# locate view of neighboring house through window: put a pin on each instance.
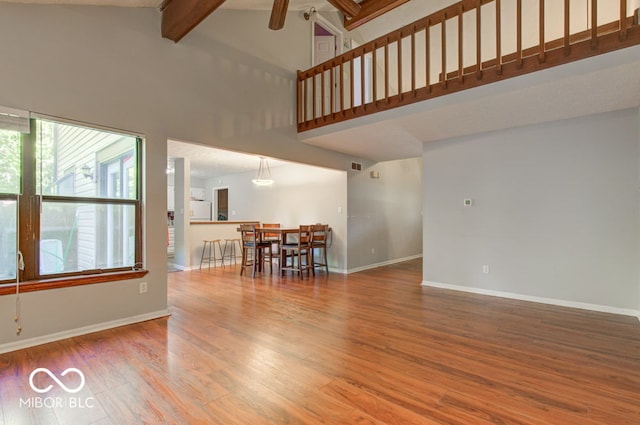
(80, 188)
(9, 188)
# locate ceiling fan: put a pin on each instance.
(349, 9)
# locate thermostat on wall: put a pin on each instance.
(468, 202)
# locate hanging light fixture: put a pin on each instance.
(264, 174)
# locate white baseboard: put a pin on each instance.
(331, 269)
(551, 301)
(31, 342)
(384, 263)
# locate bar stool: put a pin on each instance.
(211, 258)
(319, 236)
(230, 245)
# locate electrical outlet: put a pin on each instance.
(373, 250)
(485, 269)
(143, 287)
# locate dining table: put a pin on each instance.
(285, 235)
(282, 232)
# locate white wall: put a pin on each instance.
(300, 195)
(110, 66)
(556, 211)
(385, 214)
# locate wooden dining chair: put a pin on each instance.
(275, 238)
(298, 251)
(319, 238)
(254, 250)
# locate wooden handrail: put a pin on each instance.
(466, 28)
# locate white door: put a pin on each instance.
(324, 47)
(324, 50)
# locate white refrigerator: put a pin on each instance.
(200, 211)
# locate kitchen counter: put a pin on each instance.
(211, 230)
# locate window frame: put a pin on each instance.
(30, 204)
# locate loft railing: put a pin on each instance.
(468, 44)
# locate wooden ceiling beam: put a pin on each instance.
(369, 10)
(179, 17)
(278, 14)
(349, 8)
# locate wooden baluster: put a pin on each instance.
(623, 20)
(400, 66)
(362, 82)
(542, 53)
(351, 83)
(427, 55)
(299, 98)
(313, 106)
(386, 71)
(460, 45)
(322, 93)
(332, 88)
(444, 51)
(594, 24)
(567, 46)
(519, 33)
(374, 77)
(498, 38)
(341, 85)
(413, 62)
(478, 40)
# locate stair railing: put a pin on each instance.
(468, 44)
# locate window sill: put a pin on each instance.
(65, 282)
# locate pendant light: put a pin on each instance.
(264, 174)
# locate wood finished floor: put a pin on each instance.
(370, 348)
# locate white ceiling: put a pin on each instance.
(207, 162)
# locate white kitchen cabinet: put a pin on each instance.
(197, 193)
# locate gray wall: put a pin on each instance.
(556, 211)
(385, 213)
(109, 66)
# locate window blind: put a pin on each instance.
(14, 119)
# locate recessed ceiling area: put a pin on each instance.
(207, 162)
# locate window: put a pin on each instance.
(9, 188)
(76, 191)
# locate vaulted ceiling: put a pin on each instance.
(179, 17)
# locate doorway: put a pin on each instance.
(221, 203)
(326, 40)
(327, 43)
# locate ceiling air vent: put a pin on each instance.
(356, 166)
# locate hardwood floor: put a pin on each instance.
(369, 348)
